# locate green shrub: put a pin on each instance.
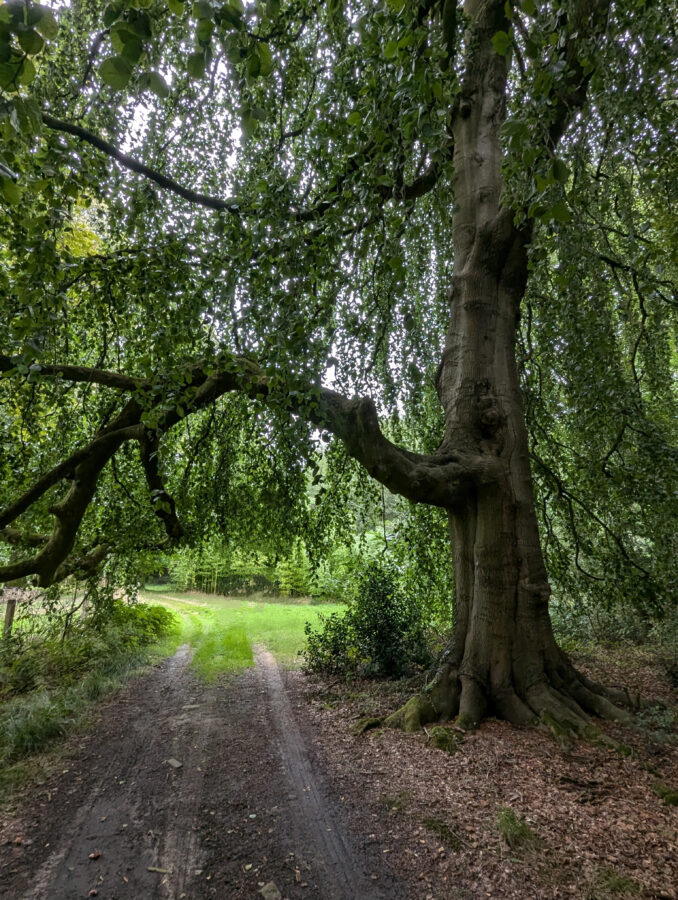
(332, 649)
(27, 725)
(382, 632)
(49, 675)
(51, 659)
(141, 624)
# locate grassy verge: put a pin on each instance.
(48, 685)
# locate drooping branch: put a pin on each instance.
(163, 504)
(400, 189)
(420, 186)
(230, 204)
(440, 479)
(69, 511)
(85, 566)
(124, 427)
(589, 17)
(76, 374)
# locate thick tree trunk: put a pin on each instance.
(502, 659)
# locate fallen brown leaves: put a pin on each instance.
(602, 831)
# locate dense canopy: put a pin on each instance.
(231, 239)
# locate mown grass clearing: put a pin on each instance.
(222, 630)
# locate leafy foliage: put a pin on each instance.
(311, 124)
(38, 656)
(381, 633)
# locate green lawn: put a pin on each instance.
(222, 630)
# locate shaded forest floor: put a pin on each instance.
(509, 813)
(255, 785)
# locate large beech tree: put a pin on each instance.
(336, 212)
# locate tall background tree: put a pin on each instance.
(442, 236)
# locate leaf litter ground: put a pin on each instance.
(598, 827)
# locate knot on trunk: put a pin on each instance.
(490, 417)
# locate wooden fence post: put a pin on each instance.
(10, 609)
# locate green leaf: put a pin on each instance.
(132, 49)
(354, 118)
(516, 130)
(28, 113)
(230, 15)
(248, 123)
(391, 49)
(8, 75)
(10, 191)
(141, 25)
(560, 171)
(176, 6)
(202, 9)
(532, 49)
(126, 42)
(195, 64)
(265, 59)
(47, 24)
(529, 7)
(27, 73)
(158, 85)
(204, 30)
(560, 212)
(501, 43)
(253, 63)
(113, 12)
(31, 42)
(116, 72)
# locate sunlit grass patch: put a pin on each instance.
(223, 630)
(222, 650)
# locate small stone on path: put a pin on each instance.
(270, 891)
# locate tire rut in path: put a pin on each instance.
(336, 864)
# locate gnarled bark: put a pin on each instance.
(502, 659)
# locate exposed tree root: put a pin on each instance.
(562, 700)
(417, 712)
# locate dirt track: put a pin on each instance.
(247, 806)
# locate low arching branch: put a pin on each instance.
(440, 479)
